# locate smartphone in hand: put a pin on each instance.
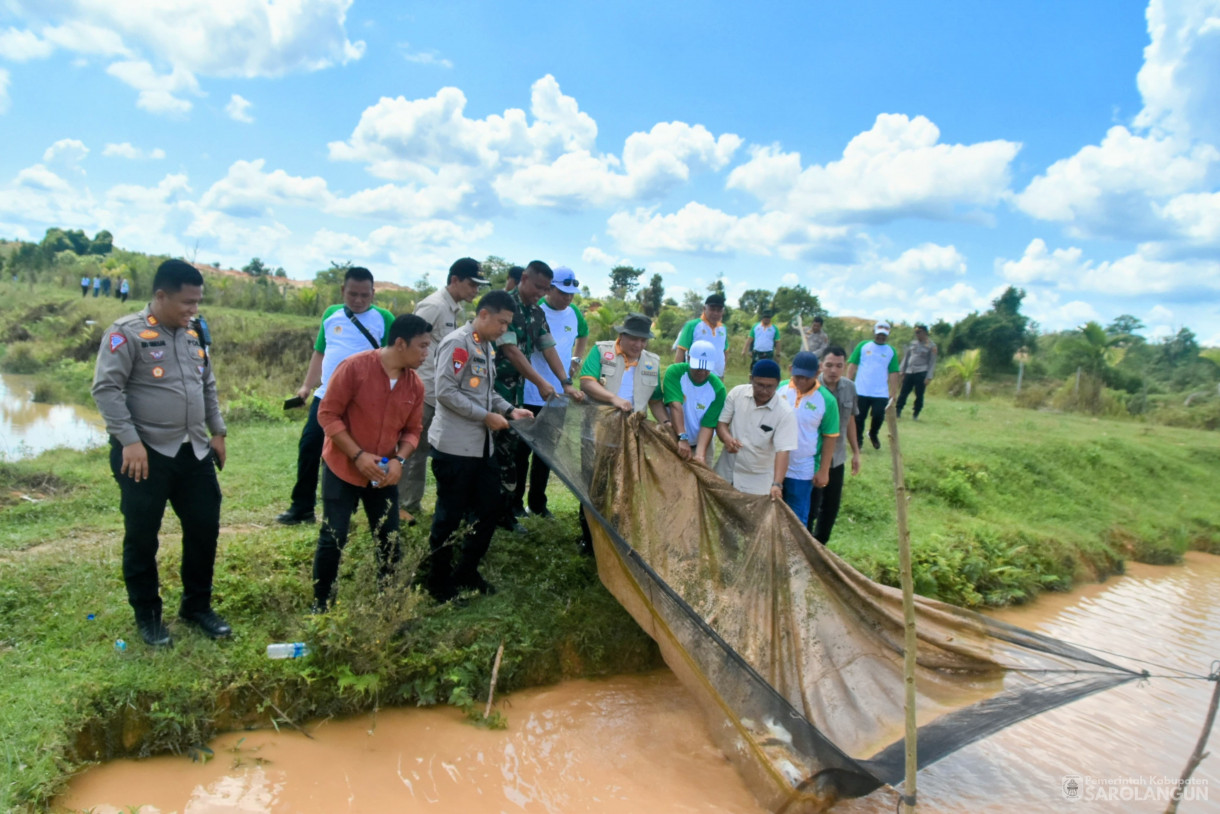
(295, 401)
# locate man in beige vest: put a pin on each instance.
(622, 373)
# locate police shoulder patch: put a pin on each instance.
(117, 340)
(460, 357)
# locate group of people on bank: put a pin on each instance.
(103, 285)
(390, 393)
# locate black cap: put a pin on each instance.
(767, 312)
(715, 299)
(467, 268)
(635, 325)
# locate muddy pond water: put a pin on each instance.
(638, 744)
(28, 428)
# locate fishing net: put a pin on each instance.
(795, 657)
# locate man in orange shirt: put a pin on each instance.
(372, 415)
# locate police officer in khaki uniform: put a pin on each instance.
(154, 387)
(468, 411)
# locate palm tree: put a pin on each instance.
(966, 365)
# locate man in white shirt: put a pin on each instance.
(571, 333)
(758, 429)
(443, 310)
(873, 366)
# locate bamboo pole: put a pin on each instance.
(495, 674)
(1197, 756)
(908, 610)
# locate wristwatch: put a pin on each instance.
(684, 437)
(567, 382)
(401, 460)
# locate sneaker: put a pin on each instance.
(294, 516)
(209, 622)
(875, 441)
(152, 630)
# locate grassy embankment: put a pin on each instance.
(1005, 503)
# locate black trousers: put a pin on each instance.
(912, 381)
(464, 486)
(877, 405)
(824, 505)
(339, 501)
(189, 485)
(535, 475)
(760, 354)
(309, 458)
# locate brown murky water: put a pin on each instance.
(26, 428)
(637, 743)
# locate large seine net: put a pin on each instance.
(795, 657)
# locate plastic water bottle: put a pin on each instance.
(120, 646)
(287, 650)
(384, 463)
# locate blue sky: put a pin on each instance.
(900, 160)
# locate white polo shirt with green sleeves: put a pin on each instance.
(817, 417)
(698, 329)
(338, 338)
(874, 363)
(701, 403)
(764, 336)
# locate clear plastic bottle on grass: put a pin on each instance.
(287, 650)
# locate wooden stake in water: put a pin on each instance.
(908, 610)
(495, 674)
(1197, 757)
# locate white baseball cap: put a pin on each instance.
(702, 355)
(881, 328)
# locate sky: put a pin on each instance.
(905, 161)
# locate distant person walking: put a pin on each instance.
(84, 286)
(443, 310)
(106, 286)
(825, 501)
(373, 411)
(124, 290)
(816, 339)
(97, 285)
(817, 421)
(356, 325)
(763, 340)
(873, 366)
(709, 326)
(917, 369)
(759, 432)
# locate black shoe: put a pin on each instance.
(478, 585)
(152, 630)
(209, 622)
(876, 441)
(317, 608)
(294, 516)
(544, 513)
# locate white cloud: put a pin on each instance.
(246, 191)
(1142, 273)
(4, 100)
(1179, 80)
(925, 259)
(66, 151)
(1194, 217)
(790, 280)
(126, 150)
(157, 91)
(424, 57)
(238, 109)
(1038, 264)
(393, 202)
(594, 256)
(1160, 313)
(20, 46)
(896, 169)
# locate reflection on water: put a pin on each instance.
(26, 428)
(638, 743)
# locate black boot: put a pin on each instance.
(208, 621)
(152, 630)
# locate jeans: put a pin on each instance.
(824, 505)
(797, 495)
(189, 485)
(464, 485)
(339, 501)
(912, 381)
(309, 458)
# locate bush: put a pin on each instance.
(20, 359)
(248, 406)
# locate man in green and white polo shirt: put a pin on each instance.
(817, 422)
(694, 396)
(356, 325)
(763, 341)
(570, 332)
(622, 373)
(873, 366)
(710, 327)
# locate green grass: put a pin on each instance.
(1004, 503)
